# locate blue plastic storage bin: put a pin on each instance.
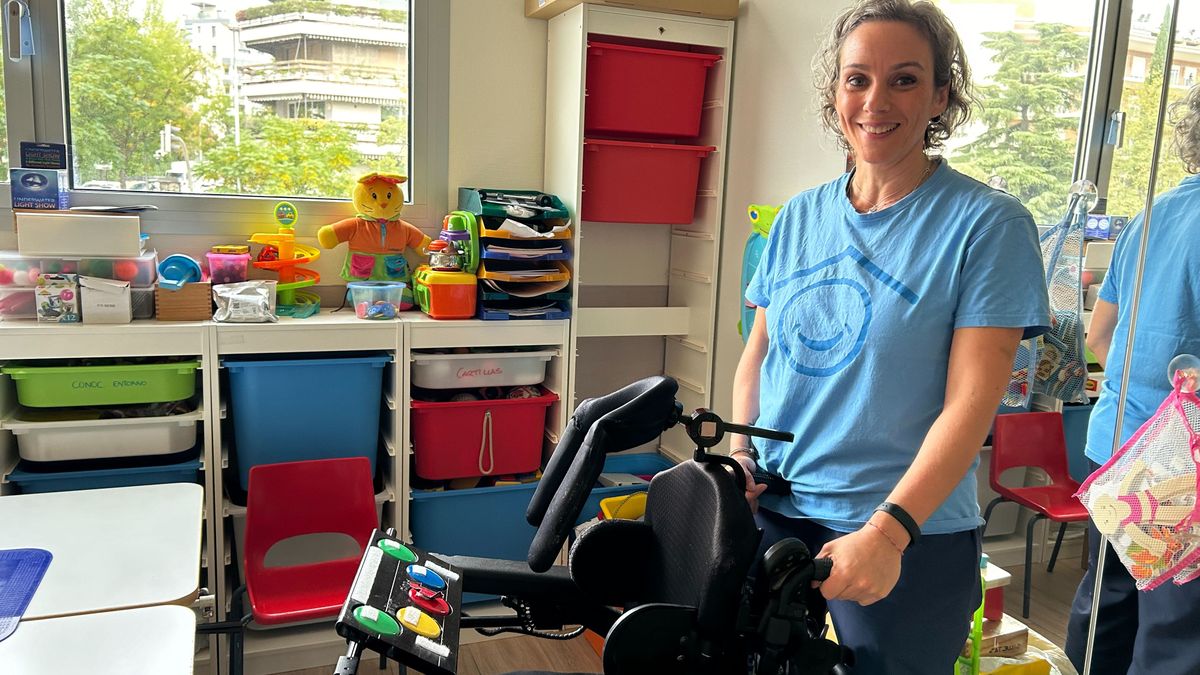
(32, 477)
(1075, 425)
(288, 410)
(490, 522)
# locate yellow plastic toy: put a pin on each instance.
(281, 254)
(376, 236)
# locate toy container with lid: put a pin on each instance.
(227, 268)
(22, 271)
(444, 294)
(377, 299)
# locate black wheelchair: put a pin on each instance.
(684, 591)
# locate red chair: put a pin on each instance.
(1035, 439)
(294, 499)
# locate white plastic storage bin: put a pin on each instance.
(500, 369)
(95, 439)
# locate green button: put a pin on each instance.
(397, 550)
(375, 620)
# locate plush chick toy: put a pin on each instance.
(376, 236)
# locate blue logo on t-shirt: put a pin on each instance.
(827, 310)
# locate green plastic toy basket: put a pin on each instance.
(55, 386)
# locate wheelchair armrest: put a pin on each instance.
(654, 638)
(608, 561)
(513, 577)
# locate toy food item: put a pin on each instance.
(376, 236)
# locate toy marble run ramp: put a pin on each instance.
(287, 263)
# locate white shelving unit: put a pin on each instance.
(327, 334)
(28, 341)
(655, 312)
(323, 335)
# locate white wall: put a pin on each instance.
(776, 145)
(497, 96)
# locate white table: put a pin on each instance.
(159, 640)
(116, 548)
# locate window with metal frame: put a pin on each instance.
(215, 111)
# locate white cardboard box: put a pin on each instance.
(71, 233)
(105, 300)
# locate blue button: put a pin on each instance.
(426, 577)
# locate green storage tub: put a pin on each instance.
(57, 386)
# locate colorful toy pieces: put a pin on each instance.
(376, 236)
(282, 255)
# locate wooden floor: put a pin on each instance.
(1050, 602)
(502, 655)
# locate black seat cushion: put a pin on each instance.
(695, 548)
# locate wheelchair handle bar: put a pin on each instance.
(822, 568)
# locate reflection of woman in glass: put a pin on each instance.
(890, 304)
(1156, 631)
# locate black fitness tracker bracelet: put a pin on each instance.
(896, 511)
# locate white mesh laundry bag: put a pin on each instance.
(1020, 384)
(1144, 498)
(1054, 363)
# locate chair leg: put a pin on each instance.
(987, 514)
(236, 653)
(237, 641)
(1029, 564)
(1062, 529)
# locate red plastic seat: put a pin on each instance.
(1035, 439)
(299, 498)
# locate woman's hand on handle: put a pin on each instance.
(753, 490)
(866, 566)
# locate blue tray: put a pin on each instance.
(21, 572)
(490, 314)
(37, 477)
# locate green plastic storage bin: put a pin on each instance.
(57, 386)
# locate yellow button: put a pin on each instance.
(419, 622)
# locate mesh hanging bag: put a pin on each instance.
(1144, 498)
(1054, 363)
(1061, 369)
(1020, 384)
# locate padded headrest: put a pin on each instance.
(626, 418)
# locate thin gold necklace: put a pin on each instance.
(888, 200)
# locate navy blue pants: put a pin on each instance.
(921, 627)
(1156, 632)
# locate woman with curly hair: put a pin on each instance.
(891, 301)
(1155, 631)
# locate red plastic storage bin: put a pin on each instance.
(644, 91)
(632, 182)
(463, 439)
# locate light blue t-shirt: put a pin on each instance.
(861, 309)
(1168, 314)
